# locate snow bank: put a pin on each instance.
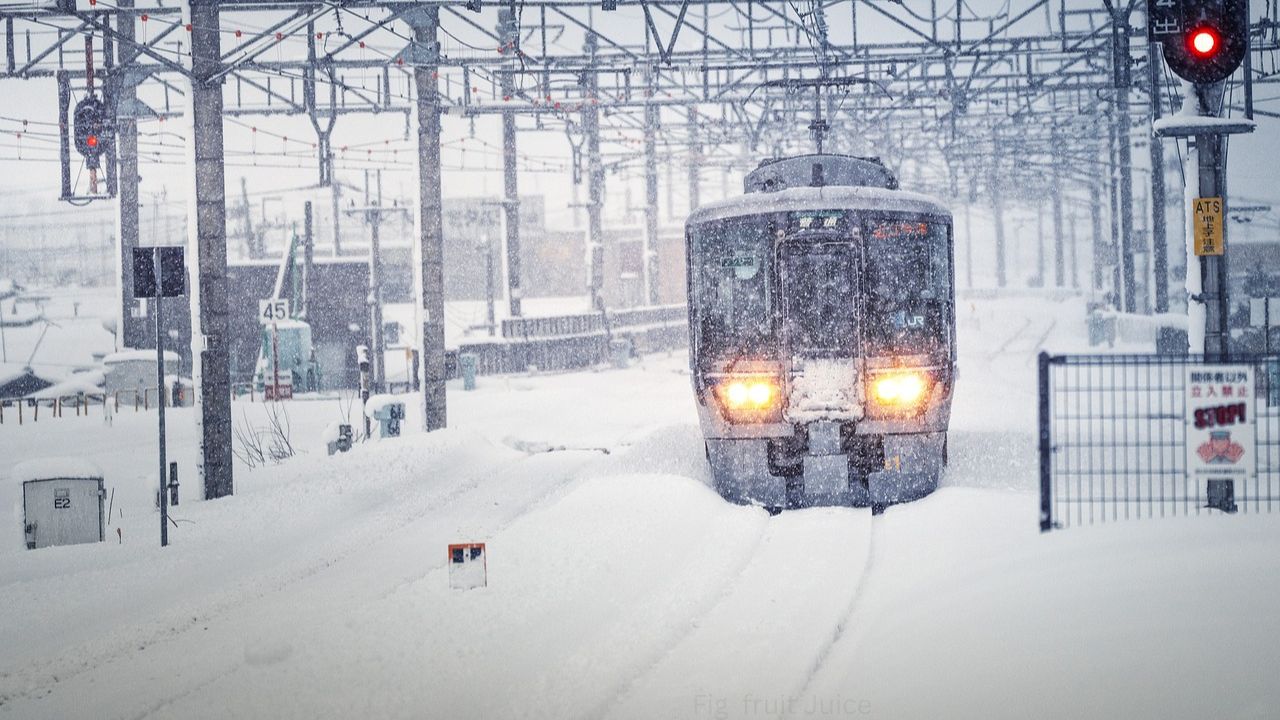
(53, 467)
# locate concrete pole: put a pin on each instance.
(695, 159)
(509, 32)
(595, 182)
(425, 21)
(1121, 119)
(129, 329)
(1113, 197)
(1059, 259)
(1095, 230)
(374, 218)
(651, 120)
(1159, 230)
(211, 369)
(308, 255)
(997, 218)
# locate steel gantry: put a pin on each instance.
(1007, 100)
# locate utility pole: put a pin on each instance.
(208, 229)
(308, 257)
(1159, 241)
(373, 212)
(1120, 117)
(509, 33)
(595, 181)
(695, 160)
(425, 21)
(1059, 259)
(650, 260)
(126, 94)
(997, 218)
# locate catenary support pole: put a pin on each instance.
(595, 182)
(509, 33)
(651, 120)
(208, 229)
(695, 160)
(1059, 251)
(425, 21)
(130, 331)
(997, 218)
(160, 392)
(1159, 229)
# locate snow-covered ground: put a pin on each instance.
(620, 585)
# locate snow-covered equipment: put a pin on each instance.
(61, 501)
(287, 359)
(468, 567)
(467, 365)
(338, 438)
(620, 352)
(388, 411)
(822, 320)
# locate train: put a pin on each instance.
(822, 335)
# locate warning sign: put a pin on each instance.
(1206, 226)
(1220, 425)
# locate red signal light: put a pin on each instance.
(91, 141)
(1204, 43)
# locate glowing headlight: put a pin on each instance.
(903, 389)
(750, 394)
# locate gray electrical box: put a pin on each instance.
(62, 503)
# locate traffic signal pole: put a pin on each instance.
(1203, 42)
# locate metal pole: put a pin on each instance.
(1213, 268)
(336, 190)
(1046, 461)
(212, 363)
(308, 257)
(425, 21)
(508, 31)
(490, 316)
(164, 464)
(1159, 240)
(1113, 196)
(275, 362)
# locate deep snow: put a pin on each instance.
(620, 585)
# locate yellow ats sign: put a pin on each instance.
(1207, 226)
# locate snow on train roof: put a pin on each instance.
(819, 198)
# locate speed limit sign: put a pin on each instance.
(275, 310)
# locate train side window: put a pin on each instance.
(733, 265)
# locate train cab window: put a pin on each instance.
(732, 263)
(908, 287)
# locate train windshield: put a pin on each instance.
(819, 286)
(909, 287)
(730, 265)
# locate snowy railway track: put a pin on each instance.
(514, 487)
(776, 620)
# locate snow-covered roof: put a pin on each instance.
(86, 382)
(54, 467)
(137, 355)
(819, 198)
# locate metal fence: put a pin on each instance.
(1114, 431)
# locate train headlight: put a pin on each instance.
(749, 399)
(900, 390)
